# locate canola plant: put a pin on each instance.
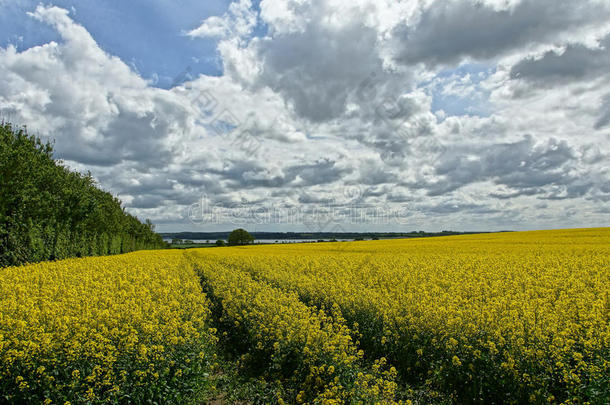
(116, 329)
(310, 352)
(490, 318)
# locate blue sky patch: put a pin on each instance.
(123, 28)
(458, 92)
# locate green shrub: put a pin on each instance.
(48, 212)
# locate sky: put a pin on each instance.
(323, 115)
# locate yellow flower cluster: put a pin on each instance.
(308, 351)
(94, 330)
(490, 318)
(505, 318)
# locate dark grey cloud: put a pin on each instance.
(604, 210)
(125, 181)
(603, 119)
(601, 190)
(372, 191)
(575, 62)
(128, 137)
(249, 174)
(318, 69)
(455, 207)
(451, 31)
(318, 59)
(146, 201)
(373, 173)
(523, 166)
(399, 197)
(321, 172)
(252, 174)
(310, 198)
(523, 192)
(577, 189)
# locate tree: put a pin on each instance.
(48, 212)
(240, 237)
(220, 242)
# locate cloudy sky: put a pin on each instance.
(323, 114)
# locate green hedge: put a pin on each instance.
(48, 212)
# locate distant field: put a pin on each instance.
(190, 245)
(489, 318)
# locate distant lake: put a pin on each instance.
(256, 241)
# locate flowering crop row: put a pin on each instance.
(493, 318)
(129, 328)
(308, 352)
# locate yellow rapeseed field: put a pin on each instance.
(129, 328)
(310, 352)
(490, 318)
(504, 318)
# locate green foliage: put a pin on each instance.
(240, 237)
(48, 212)
(220, 242)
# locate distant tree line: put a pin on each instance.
(48, 212)
(314, 235)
